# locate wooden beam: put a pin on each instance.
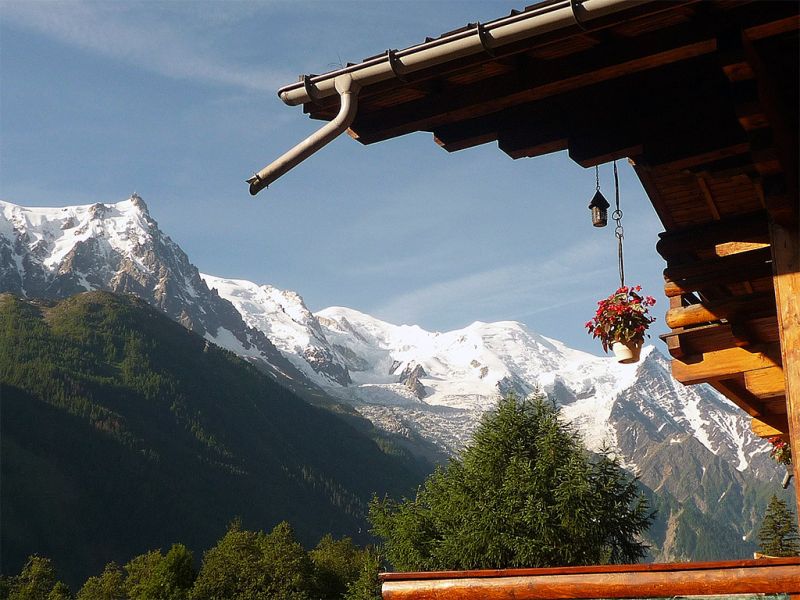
(659, 201)
(719, 336)
(763, 430)
(712, 279)
(767, 575)
(751, 227)
(699, 159)
(724, 364)
(781, 110)
(746, 307)
(717, 265)
(765, 383)
(786, 264)
(736, 393)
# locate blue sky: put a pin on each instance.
(176, 101)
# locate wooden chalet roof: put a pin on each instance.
(702, 97)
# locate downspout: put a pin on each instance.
(348, 94)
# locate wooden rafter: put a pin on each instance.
(724, 364)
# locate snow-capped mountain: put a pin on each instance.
(689, 444)
(56, 252)
(392, 372)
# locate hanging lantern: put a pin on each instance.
(599, 207)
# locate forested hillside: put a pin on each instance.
(122, 431)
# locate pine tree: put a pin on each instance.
(778, 535)
(524, 493)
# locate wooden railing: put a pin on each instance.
(780, 576)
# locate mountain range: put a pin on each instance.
(693, 449)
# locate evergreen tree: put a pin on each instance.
(524, 493)
(778, 534)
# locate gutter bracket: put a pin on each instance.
(574, 6)
(483, 38)
(394, 65)
(309, 88)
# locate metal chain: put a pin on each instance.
(597, 178)
(619, 232)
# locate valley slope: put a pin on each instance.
(122, 431)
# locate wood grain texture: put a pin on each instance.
(786, 264)
(626, 581)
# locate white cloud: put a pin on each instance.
(163, 42)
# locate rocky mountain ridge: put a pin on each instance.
(54, 253)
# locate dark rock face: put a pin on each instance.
(513, 385)
(323, 362)
(410, 377)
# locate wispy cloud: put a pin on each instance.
(156, 41)
(523, 289)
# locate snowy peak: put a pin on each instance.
(57, 252)
(53, 233)
(284, 318)
(448, 379)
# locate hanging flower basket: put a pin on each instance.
(621, 322)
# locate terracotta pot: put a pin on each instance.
(627, 352)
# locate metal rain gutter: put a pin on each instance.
(348, 92)
(483, 38)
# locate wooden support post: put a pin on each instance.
(786, 266)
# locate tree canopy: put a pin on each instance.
(524, 493)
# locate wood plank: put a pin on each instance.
(700, 158)
(781, 109)
(719, 336)
(765, 383)
(762, 576)
(708, 197)
(751, 227)
(763, 430)
(724, 364)
(657, 197)
(759, 409)
(749, 273)
(718, 264)
(786, 263)
(744, 308)
(785, 25)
